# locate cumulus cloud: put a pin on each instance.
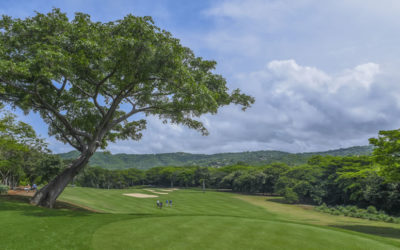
(298, 108)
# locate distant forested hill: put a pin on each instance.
(146, 161)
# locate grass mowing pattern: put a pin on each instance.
(185, 202)
(196, 221)
(203, 232)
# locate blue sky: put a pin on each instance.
(324, 73)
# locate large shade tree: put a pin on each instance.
(95, 83)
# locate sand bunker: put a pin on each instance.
(169, 189)
(138, 195)
(155, 192)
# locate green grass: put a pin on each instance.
(306, 214)
(197, 220)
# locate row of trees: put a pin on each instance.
(237, 177)
(328, 179)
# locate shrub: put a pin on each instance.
(352, 209)
(374, 218)
(326, 210)
(382, 217)
(3, 189)
(342, 209)
(371, 213)
(365, 215)
(372, 210)
(290, 196)
(391, 220)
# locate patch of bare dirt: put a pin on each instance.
(21, 192)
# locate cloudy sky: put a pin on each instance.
(325, 74)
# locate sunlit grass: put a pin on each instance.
(197, 220)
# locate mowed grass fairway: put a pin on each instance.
(197, 220)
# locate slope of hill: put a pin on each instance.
(146, 161)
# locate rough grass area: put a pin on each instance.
(307, 214)
(196, 220)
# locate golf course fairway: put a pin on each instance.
(108, 219)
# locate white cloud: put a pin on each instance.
(298, 108)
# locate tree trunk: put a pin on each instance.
(46, 196)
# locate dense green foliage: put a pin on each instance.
(341, 181)
(24, 158)
(387, 153)
(257, 158)
(4, 189)
(371, 213)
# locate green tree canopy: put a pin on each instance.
(387, 153)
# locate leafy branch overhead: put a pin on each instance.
(387, 153)
(88, 79)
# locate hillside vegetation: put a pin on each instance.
(146, 161)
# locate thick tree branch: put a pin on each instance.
(107, 122)
(98, 106)
(64, 135)
(61, 89)
(82, 90)
(108, 76)
(75, 133)
(129, 114)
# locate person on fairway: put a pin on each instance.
(158, 203)
(166, 203)
(170, 203)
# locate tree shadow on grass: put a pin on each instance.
(281, 200)
(277, 200)
(387, 232)
(21, 204)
